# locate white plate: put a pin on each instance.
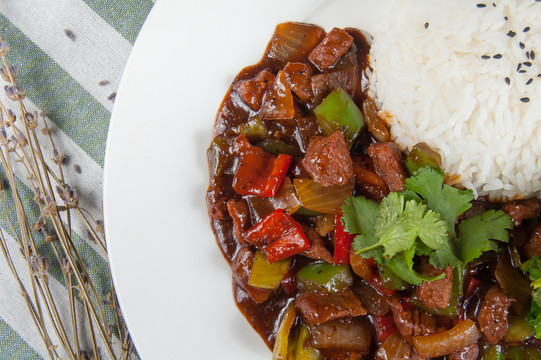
(173, 284)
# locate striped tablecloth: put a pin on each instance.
(70, 56)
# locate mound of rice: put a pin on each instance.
(465, 77)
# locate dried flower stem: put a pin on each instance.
(24, 148)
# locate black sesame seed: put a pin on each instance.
(485, 57)
(519, 66)
(527, 63)
(497, 56)
(522, 71)
(526, 29)
(525, 99)
(527, 54)
(532, 55)
(511, 33)
(427, 25)
(493, 4)
(529, 81)
(506, 18)
(481, 5)
(521, 45)
(539, 75)
(508, 81)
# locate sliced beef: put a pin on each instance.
(328, 161)
(316, 307)
(367, 179)
(468, 353)
(278, 101)
(241, 267)
(351, 335)
(493, 314)
(388, 163)
(251, 91)
(521, 210)
(335, 44)
(298, 77)
(533, 245)
(323, 84)
(317, 249)
(435, 294)
(412, 322)
(240, 213)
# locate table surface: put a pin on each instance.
(70, 56)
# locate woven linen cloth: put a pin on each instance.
(70, 55)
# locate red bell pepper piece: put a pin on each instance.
(342, 242)
(259, 173)
(385, 326)
(278, 236)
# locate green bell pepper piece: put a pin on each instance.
(422, 155)
(339, 112)
(324, 276)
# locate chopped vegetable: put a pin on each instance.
(285, 198)
(325, 224)
(361, 266)
(259, 172)
(218, 157)
(493, 352)
(324, 276)
(278, 236)
(375, 124)
(519, 329)
(281, 343)
(277, 146)
(338, 112)
(315, 197)
(293, 41)
(514, 283)
(265, 275)
(304, 349)
(342, 242)
(385, 327)
(422, 155)
(394, 348)
(255, 129)
(464, 333)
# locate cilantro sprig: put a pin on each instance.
(421, 221)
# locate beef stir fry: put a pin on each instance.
(343, 247)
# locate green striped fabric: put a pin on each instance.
(70, 56)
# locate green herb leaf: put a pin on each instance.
(359, 215)
(402, 266)
(446, 200)
(478, 232)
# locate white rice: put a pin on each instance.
(433, 85)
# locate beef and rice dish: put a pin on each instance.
(346, 240)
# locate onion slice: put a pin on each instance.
(463, 334)
(282, 337)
